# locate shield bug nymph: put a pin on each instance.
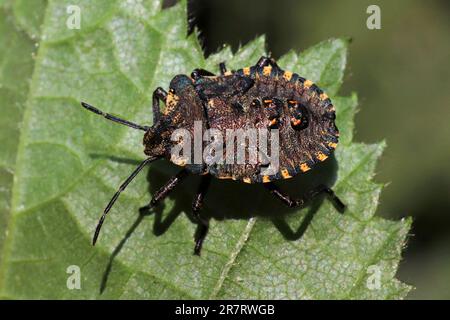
(262, 96)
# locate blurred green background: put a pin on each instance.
(402, 76)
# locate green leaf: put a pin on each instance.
(69, 162)
(17, 49)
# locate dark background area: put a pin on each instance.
(402, 76)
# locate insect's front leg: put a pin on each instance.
(158, 94)
(196, 207)
(164, 191)
(300, 202)
(223, 68)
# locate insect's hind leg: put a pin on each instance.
(197, 204)
(158, 94)
(266, 61)
(198, 73)
(300, 202)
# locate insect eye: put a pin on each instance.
(299, 115)
(171, 90)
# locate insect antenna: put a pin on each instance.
(113, 118)
(116, 195)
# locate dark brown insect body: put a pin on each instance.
(259, 97)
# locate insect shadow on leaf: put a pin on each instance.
(236, 201)
(157, 176)
(117, 159)
(226, 200)
(324, 173)
(117, 250)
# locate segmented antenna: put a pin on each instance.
(114, 118)
(116, 195)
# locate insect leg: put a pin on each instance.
(196, 206)
(266, 61)
(116, 195)
(158, 94)
(198, 73)
(290, 202)
(164, 191)
(223, 68)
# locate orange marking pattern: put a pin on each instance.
(295, 122)
(332, 145)
(308, 83)
(304, 167)
(285, 174)
(267, 70)
(287, 75)
(321, 156)
(171, 101)
(273, 122)
(179, 161)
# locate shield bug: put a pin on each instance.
(262, 96)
